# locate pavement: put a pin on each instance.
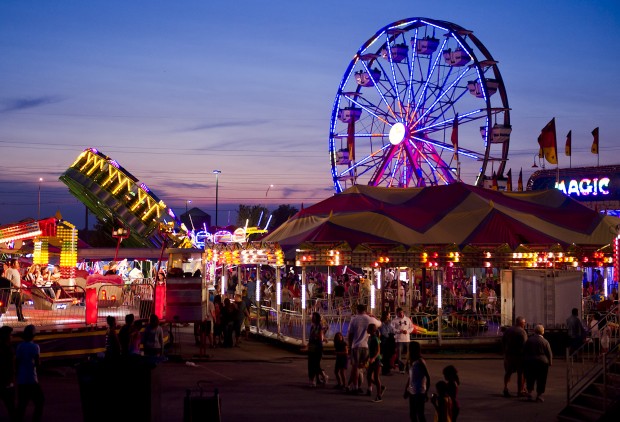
(263, 380)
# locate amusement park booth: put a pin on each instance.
(50, 236)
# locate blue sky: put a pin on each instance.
(174, 90)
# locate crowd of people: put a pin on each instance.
(365, 347)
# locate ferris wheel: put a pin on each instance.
(413, 91)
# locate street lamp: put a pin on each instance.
(120, 234)
(39, 200)
(189, 201)
(217, 192)
(267, 193)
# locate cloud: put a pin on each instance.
(17, 104)
(234, 123)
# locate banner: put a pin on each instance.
(548, 142)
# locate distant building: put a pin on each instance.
(196, 219)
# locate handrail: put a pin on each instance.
(587, 363)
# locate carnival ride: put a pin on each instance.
(419, 96)
(115, 195)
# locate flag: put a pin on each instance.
(455, 136)
(494, 185)
(548, 142)
(509, 181)
(520, 183)
(568, 143)
(594, 148)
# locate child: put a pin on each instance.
(451, 376)
(374, 363)
(605, 339)
(342, 353)
(442, 403)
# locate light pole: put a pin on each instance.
(39, 200)
(120, 234)
(189, 201)
(267, 193)
(217, 192)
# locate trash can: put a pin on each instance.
(199, 406)
(132, 376)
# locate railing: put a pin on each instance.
(44, 306)
(64, 304)
(590, 361)
(456, 320)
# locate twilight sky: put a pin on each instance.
(175, 89)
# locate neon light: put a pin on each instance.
(473, 282)
(278, 293)
(372, 296)
(439, 296)
(584, 187)
(329, 284)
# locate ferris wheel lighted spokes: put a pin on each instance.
(397, 107)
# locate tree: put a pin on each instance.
(281, 216)
(253, 214)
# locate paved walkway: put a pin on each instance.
(260, 381)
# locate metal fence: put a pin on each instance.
(65, 305)
(458, 318)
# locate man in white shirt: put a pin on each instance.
(358, 345)
(403, 327)
(15, 278)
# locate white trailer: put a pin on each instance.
(541, 296)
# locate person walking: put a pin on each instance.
(442, 403)
(418, 383)
(153, 338)
(403, 327)
(315, 351)
(207, 328)
(576, 331)
(513, 340)
(374, 363)
(27, 365)
(357, 337)
(125, 332)
(340, 369)
(451, 376)
(7, 371)
(112, 343)
(13, 275)
(242, 312)
(537, 358)
(595, 332)
(388, 343)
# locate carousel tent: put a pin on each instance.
(457, 214)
